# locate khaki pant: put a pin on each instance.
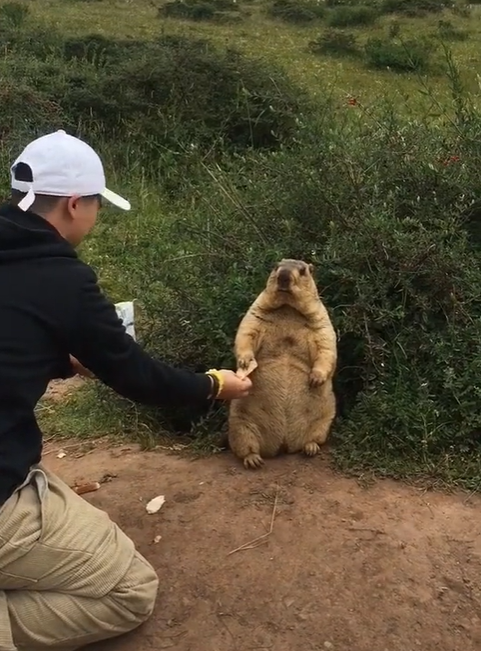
(68, 575)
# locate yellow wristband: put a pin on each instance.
(219, 377)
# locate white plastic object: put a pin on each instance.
(125, 311)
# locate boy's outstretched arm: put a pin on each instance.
(98, 340)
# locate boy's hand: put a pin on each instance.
(79, 369)
(234, 387)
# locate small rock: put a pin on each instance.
(328, 645)
(157, 538)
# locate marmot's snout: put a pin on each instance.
(284, 279)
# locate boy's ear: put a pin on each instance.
(73, 204)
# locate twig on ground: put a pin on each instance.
(470, 496)
(366, 529)
(254, 543)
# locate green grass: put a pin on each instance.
(92, 413)
(279, 43)
(86, 416)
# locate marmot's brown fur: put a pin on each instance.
(288, 339)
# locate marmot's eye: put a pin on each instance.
(302, 271)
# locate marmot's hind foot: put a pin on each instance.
(311, 449)
(253, 461)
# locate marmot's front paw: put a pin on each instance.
(246, 365)
(253, 461)
(317, 378)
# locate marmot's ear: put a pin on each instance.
(311, 267)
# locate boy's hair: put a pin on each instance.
(43, 203)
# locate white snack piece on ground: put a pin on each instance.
(154, 505)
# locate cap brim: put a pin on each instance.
(116, 200)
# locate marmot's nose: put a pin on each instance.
(284, 279)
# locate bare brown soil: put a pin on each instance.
(346, 567)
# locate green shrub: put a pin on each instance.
(414, 7)
(402, 56)
(26, 113)
(394, 29)
(194, 10)
(335, 42)
(13, 14)
(448, 32)
(388, 210)
(291, 11)
(346, 16)
(461, 9)
(352, 3)
(178, 96)
(197, 10)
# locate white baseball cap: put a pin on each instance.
(62, 166)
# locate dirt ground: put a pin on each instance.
(385, 567)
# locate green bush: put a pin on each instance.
(401, 56)
(352, 16)
(25, 113)
(461, 9)
(448, 32)
(217, 10)
(394, 29)
(13, 14)
(335, 42)
(353, 3)
(388, 210)
(195, 10)
(414, 7)
(179, 96)
(291, 11)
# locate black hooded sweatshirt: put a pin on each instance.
(51, 306)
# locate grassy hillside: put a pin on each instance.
(348, 135)
(281, 43)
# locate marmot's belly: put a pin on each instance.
(282, 403)
(282, 374)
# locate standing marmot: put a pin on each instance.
(287, 338)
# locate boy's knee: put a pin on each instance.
(137, 592)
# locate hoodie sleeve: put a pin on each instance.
(99, 341)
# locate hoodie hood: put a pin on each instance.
(25, 235)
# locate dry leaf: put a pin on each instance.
(86, 488)
(155, 504)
